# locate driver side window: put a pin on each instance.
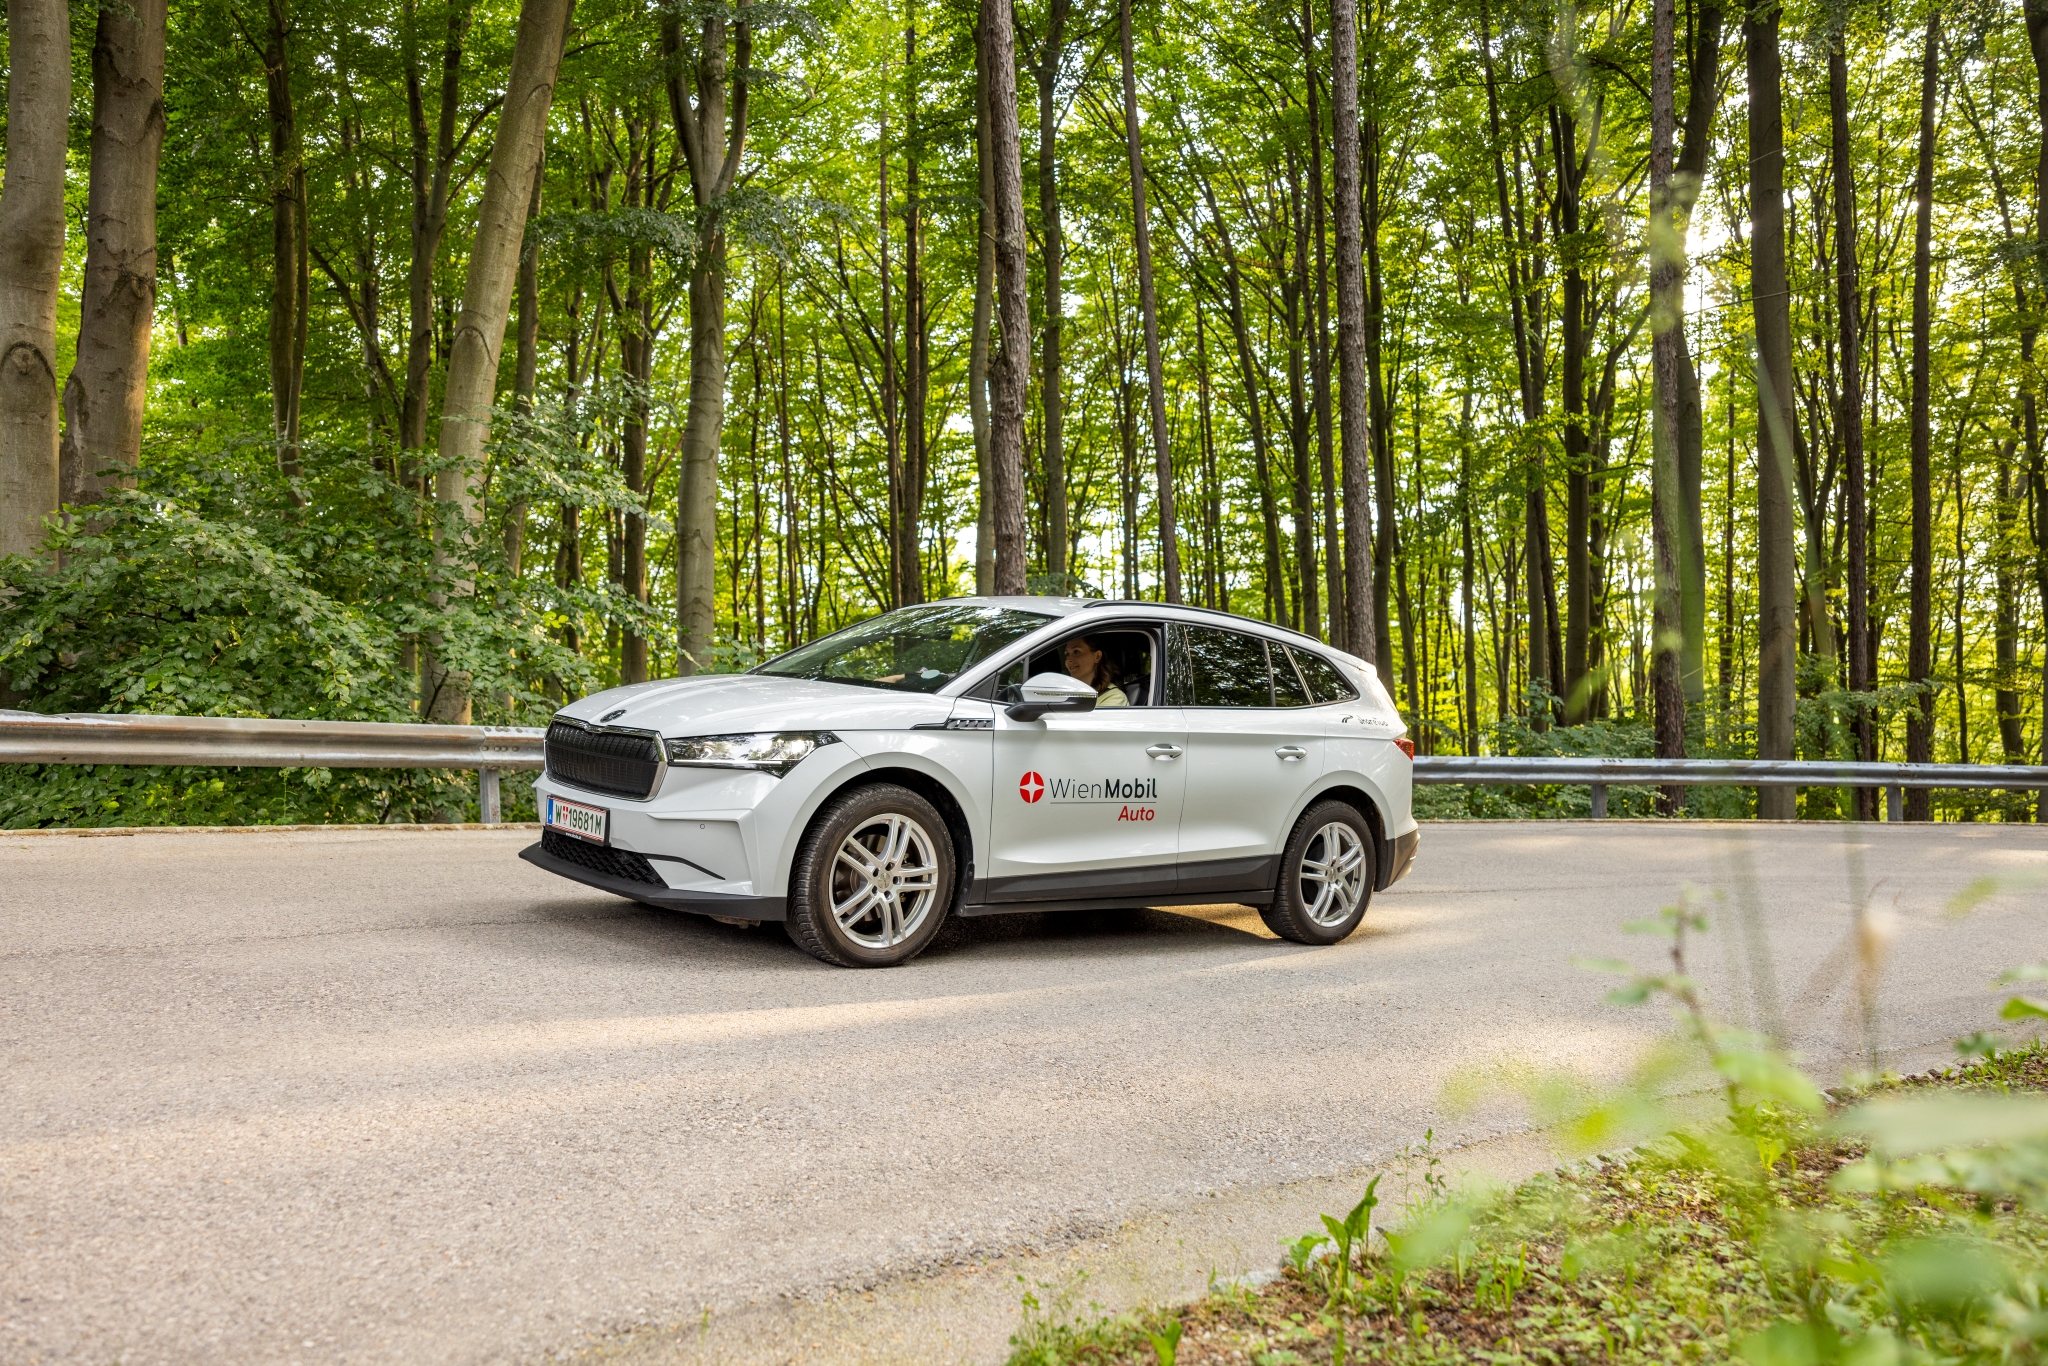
(1128, 656)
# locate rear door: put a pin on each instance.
(1087, 806)
(1254, 749)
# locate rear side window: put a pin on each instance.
(1227, 669)
(1324, 681)
(1288, 690)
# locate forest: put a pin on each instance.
(1628, 377)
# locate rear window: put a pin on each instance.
(1324, 679)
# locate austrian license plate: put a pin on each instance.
(574, 818)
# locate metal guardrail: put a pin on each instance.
(227, 741)
(257, 742)
(1600, 774)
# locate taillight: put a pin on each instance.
(1406, 746)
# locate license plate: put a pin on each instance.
(574, 818)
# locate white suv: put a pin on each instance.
(983, 755)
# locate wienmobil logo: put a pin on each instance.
(1108, 790)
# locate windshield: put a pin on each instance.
(913, 649)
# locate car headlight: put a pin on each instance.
(774, 752)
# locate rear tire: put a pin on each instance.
(1326, 876)
(872, 879)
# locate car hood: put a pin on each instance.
(726, 704)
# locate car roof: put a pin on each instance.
(1067, 607)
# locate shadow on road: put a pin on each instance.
(662, 933)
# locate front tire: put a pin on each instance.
(872, 879)
(1326, 876)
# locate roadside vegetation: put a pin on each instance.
(1902, 1220)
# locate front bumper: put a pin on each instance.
(720, 904)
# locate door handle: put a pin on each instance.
(1289, 753)
(1163, 751)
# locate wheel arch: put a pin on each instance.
(926, 785)
(1368, 807)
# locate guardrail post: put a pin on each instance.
(1599, 791)
(1895, 802)
(487, 795)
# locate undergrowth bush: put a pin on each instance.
(216, 588)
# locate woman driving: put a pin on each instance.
(1084, 660)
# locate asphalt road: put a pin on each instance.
(387, 1096)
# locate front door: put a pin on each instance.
(1253, 752)
(1087, 805)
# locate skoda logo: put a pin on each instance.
(1031, 787)
(612, 715)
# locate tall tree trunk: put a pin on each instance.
(1148, 307)
(1702, 96)
(1045, 71)
(1667, 251)
(708, 93)
(1849, 419)
(487, 299)
(103, 398)
(1299, 318)
(1387, 535)
(2006, 612)
(1333, 555)
(916, 342)
(892, 426)
(2037, 467)
(1469, 606)
(1539, 596)
(526, 368)
(1920, 623)
(998, 54)
(636, 368)
(432, 168)
(1578, 565)
(31, 266)
(290, 282)
(1360, 630)
(1777, 574)
(978, 346)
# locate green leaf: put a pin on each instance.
(1428, 1241)
(2020, 1008)
(1767, 1076)
(1928, 1124)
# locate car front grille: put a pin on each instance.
(623, 864)
(620, 763)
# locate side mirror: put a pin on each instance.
(1044, 693)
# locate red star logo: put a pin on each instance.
(1031, 787)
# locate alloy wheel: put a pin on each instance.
(1332, 874)
(885, 879)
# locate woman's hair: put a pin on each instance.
(1106, 675)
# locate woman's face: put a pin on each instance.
(1082, 661)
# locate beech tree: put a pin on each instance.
(31, 264)
(104, 395)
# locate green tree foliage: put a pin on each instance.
(1505, 150)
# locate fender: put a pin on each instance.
(875, 753)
